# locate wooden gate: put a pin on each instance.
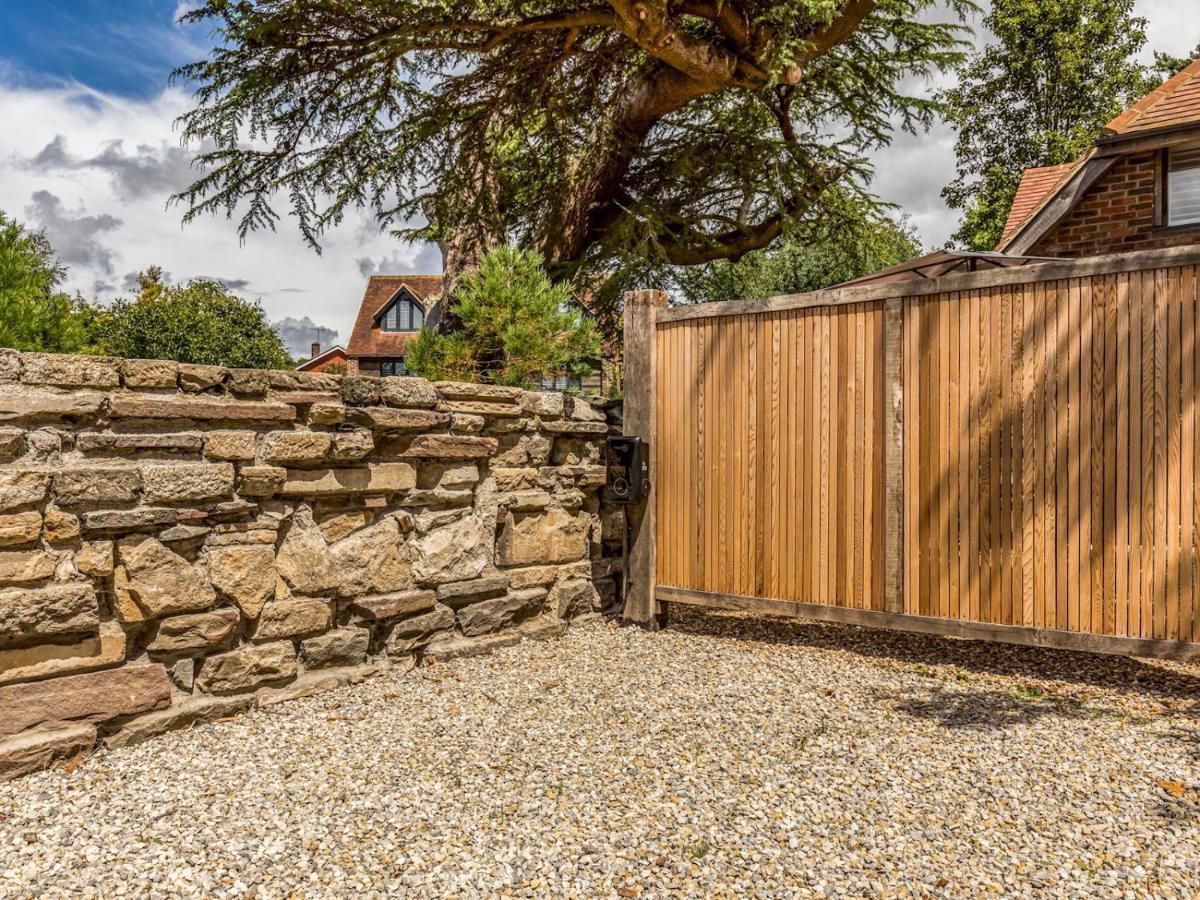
(1009, 454)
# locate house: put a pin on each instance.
(393, 309)
(331, 360)
(1136, 188)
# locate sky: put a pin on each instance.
(90, 153)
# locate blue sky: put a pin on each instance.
(123, 47)
(90, 153)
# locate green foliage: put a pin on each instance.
(1165, 65)
(667, 134)
(859, 242)
(516, 327)
(34, 313)
(1038, 95)
(198, 322)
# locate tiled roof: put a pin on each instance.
(368, 339)
(1175, 102)
(1036, 186)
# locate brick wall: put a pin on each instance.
(179, 543)
(1116, 215)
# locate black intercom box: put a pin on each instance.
(628, 470)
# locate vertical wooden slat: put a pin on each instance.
(1121, 475)
(1108, 472)
(1174, 437)
(1161, 476)
(1187, 451)
(910, 426)
(1030, 465)
(896, 385)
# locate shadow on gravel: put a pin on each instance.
(1177, 688)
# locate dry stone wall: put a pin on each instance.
(180, 542)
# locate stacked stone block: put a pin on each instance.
(181, 542)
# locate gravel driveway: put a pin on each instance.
(727, 756)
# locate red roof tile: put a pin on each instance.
(1174, 102)
(1036, 186)
(368, 339)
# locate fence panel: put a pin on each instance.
(1046, 480)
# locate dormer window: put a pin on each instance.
(403, 313)
(1183, 185)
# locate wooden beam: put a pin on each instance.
(1138, 260)
(640, 387)
(1064, 200)
(893, 485)
(1181, 651)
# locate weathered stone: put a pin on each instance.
(555, 536)
(297, 617)
(351, 446)
(482, 408)
(22, 487)
(551, 404)
(305, 398)
(524, 450)
(393, 606)
(310, 684)
(342, 524)
(543, 628)
(488, 616)
(304, 560)
(569, 498)
(92, 697)
(574, 598)
(340, 647)
(469, 390)
(261, 481)
(447, 648)
(108, 442)
(45, 445)
(49, 660)
(60, 370)
(524, 501)
(240, 446)
(33, 405)
(461, 422)
(245, 573)
(582, 475)
(573, 426)
(195, 378)
(514, 479)
(196, 631)
(20, 528)
(158, 580)
(149, 373)
(36, 751)
(459, 477)
(410, 634)
(136, 406)
(532, 576)
(360, 390)
(296, 446)
(385, 418)
(326, 413)
(317, 381)
(454, 552)
(183, 673)
(461, 593)
(373, 560)
(179, 533)
(127, 519)
(10, 365)
(575, 452)
(247, 667)
(94, 484)
(228, 510)
(584, 411)
(248, 382)
(411, 392)
(12, 443)
(26, 565)
(189, 711)
(612, 523)
(254, 536)
(450, 446)
(186, 482)
(372, 478)
(438, 496)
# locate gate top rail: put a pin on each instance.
(969, 281)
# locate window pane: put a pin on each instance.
(1183, 186)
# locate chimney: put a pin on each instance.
(316, 350)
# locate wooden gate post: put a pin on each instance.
(893, 511)
(641, 372)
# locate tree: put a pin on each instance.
(34, 313)
(1165, 65)
(1056, 73)
(198, 322)
(517, 326)
(658, 131)
(858, 242)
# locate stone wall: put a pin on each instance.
(180, 542)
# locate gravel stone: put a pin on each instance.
(723, 757)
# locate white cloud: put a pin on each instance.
(96, 171)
